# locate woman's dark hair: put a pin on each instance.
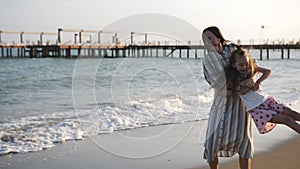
(216, 31)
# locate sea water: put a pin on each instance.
(50, 100)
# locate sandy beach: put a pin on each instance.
(178, 146)
(284, 156)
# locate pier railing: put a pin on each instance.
(115, 51)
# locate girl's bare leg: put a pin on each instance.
(293, 114)
(287, 120)
(214, 164)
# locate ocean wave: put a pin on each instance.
(36, 133)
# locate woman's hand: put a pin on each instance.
(226, 93)
(244, 90)
(247, 83)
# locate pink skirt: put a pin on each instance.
(263, 113)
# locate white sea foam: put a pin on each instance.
(36, 133)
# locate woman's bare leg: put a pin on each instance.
(287, 120)
(293, 114)
(214, 164)
(245, 163)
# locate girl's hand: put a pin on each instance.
(255, 87)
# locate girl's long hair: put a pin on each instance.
(233, 77)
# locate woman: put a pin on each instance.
(229, 126)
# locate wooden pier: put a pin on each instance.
(88, 51)
(126, 51)
(115, 49)
(267, 48)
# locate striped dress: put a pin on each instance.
(229, 128)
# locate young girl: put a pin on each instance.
(264, 109)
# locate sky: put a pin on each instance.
(237, 19)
